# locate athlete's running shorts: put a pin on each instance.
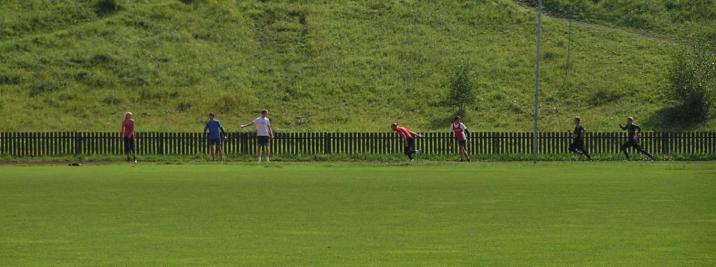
(214, 141)
(263, 140)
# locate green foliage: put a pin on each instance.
(112, 100)
(183, 106)
(461, 90)
(106, 7)
(605, 96)
(692, 82)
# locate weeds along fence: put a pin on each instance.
(39, 144)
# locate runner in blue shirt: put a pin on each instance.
(215, 134)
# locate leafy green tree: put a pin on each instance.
(461, 90)
(692, 78)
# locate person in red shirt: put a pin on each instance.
(409, 137)
(460, 131)
(128, 136)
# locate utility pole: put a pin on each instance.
(535, 139)
(568, 65)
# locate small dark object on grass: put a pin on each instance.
(75, 164)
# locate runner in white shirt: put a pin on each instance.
(264, 134)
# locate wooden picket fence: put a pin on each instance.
(33, 144)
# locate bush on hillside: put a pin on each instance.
(6, 78)
(604, 96)
(461, 90)
(44, 83)
(43, 87)
(106, 7)
(692, 77)
(183, 106)
(112, 100)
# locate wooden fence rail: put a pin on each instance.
(28, 144)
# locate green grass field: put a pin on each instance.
(361, 214)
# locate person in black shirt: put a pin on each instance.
(577, 145)
(633, 131)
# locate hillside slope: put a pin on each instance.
(318, 65)
(688, 20)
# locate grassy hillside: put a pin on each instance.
(685, 19)
(317, 65)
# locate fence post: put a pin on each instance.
(241, 140)
(327, 143)
(160, 143)
(78, 144)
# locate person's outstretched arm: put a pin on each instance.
(416, 134)
(248, 124)
(623, 127)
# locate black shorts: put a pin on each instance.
(577, 144)
(128, 145)
(409, 145)
(263, 140)
(462, 142)
(632, 143)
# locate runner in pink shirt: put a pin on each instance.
(128, 136)
(460, 131)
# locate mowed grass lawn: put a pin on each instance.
(360, 215)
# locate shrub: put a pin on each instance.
(692, 77)
(604, 96)
(9, 79)
(106, 7)
(549, 55)
(43, 86)
(461, 89)
(149, 95)
(112, 100)
(183, 106)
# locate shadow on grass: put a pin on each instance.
(676, 118)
